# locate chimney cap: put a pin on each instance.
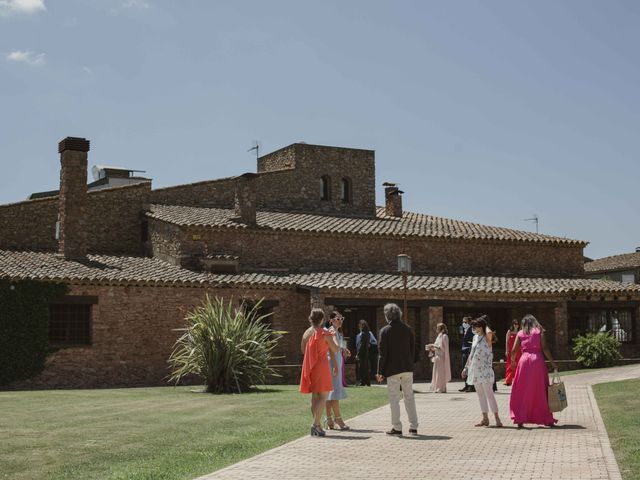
(73, 143)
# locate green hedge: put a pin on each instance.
(24, 327)
(595, 350)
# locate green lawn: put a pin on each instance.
(150, 433)
(619, 404)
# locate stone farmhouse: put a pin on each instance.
(621, 268)
(302, 231)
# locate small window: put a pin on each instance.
(628, 278)
(618, 322)
(265, 310)
(70, 324)
(325, 187)
(345, 190)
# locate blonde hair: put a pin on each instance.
(529, 322)
(441, 327)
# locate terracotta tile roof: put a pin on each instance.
(617, 262)
(19, 265)
(411, 224)
(118, 270)
(428, 283)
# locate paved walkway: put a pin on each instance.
(449, 447)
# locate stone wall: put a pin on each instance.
(295, 250)
(282, 159)
(210, 193)
(289, 179)
(113, 225)
(165, 241)
(29, 225)
(314, 161)
(115, 219)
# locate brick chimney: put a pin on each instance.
(245, 206)
(393, 201)
(72, 237)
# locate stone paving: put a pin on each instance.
(449, 446)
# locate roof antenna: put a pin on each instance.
(535, 219)
(256, 147)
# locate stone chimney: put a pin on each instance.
(393, 200)
(72, 236)
(245, 207)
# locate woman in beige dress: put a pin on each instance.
(439, 353)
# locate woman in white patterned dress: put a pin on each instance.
(479, 373)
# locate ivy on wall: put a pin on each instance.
(24, 327)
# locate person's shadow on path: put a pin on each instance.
(425, 437)
(345, 437)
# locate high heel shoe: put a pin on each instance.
(329, 423)
(341, 424)
(316, 431)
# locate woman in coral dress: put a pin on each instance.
(316, 373)
(439, 353)
(512, 333)
(528, 402)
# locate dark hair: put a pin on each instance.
(480, 322)
(333, 314)
(364, 326)
(316, 317)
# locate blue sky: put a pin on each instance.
(488, 111)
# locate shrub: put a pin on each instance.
(24, 327)
(230, 348)
(596, 349)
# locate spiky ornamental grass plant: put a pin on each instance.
(230, 347)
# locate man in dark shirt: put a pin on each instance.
(396, 344)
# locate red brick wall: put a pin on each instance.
(294, 250)
(133, 333)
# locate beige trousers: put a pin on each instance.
(395, 383)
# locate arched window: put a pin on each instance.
(325, 187)
(345, 190)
